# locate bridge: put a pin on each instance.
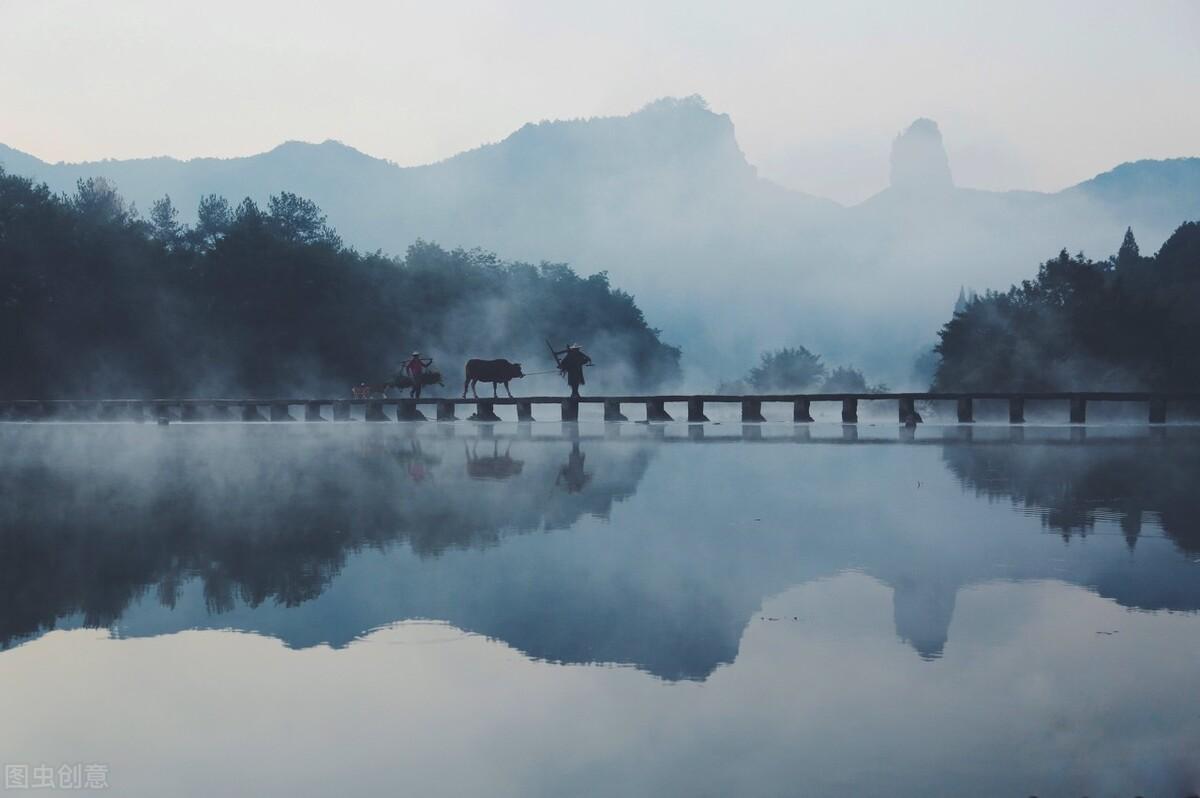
(445, 409)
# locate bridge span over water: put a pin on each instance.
(445, 409)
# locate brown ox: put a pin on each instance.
(493, 371)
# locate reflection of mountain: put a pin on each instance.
(91, 519)
(293, 533)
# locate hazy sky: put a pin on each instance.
(1028, 94)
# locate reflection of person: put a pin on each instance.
(415, 369)
(572, 473)
(572, 365)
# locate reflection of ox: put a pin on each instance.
(493, 371)
(496, 466)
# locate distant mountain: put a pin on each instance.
(726, 262)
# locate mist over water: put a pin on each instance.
(772, 607)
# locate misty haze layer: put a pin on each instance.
(665, 202)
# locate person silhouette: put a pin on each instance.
(415, 369)
(571, 366)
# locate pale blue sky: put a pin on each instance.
(1028, 94)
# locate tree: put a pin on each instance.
(164, 223)
(260, 304)
(1125, 323)
(960, 304)
(1128, 254)
(300, 220)
(847, 379)
(97, 203)
(213, 220)
(790, 368)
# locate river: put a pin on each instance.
(627, 609)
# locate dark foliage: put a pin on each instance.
(95, 301)
(796, 369)
(1126, 323)
(847, 379)
(790, 368)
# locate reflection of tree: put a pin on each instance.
(80, 536)
(1073, 485)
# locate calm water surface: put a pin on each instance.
(352, 609)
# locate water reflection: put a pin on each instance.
(320, 535)
(493, 466)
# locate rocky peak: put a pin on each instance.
(919, 161)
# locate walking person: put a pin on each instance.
(571, 366)
(415, 369)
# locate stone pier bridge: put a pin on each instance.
(689, 407)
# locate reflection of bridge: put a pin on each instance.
(408, 409)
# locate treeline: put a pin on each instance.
(795, 369)
(1126, 323)
(97, 301)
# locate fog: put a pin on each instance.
(726, 263)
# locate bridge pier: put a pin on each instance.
(1158, 411)
(801, 412)
(485, 411)
(1016, 410)
(162, 413)
(570, 410)
(312, 411)
(612, 411)
(656, 410)
(696, 432)
(407, 410)
(752, 411)
(908, 411)
(849, 411)
(1078, 410)
(220, 413)
(375, 412)
(696, 411)
(341, 410)
(279, 412)
(250, 412)
(445, 411)
(524, 411)
(190, 412)
(966, 410)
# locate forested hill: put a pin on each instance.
(1126, 323)
(665, 199)
(253, 301)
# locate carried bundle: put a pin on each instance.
(430, 377)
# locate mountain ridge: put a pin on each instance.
(665, 200)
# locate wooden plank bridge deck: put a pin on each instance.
(408, 409)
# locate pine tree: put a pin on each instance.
(1128, 254)
(960, 305)
(164, 222)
